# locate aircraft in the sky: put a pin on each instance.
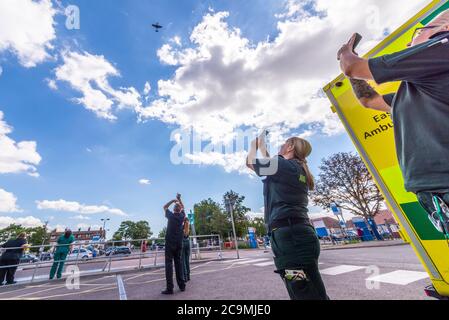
(156, 26)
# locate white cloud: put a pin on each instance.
(16, 157)
(75, 207)
(144, 181)
(80, 217)
(89, 74)
(1, 70)
(260, 214)
(8, 202)
(224, 81)
(27, 222)
(147, 89)
(27, 29)
(52, 84)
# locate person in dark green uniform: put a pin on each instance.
(294, 242)
(61, 252)
(185, 255)
(420, 108)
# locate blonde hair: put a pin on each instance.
(303, 149)
(186, 227)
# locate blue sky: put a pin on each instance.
(89, 160)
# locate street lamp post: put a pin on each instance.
(104, 226)
(230, 204)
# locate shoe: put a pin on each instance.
(167, 292)
(435, 220)
(182, 289)
(10, 283)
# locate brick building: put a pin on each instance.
(80, 236)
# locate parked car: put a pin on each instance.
(83, 254)
(46, 256)
(29, 258)
(95, 252)
(118, 251)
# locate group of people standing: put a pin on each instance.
(14, 249)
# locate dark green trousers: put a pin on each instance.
(58, 265)
(185, 258)
(297, 248)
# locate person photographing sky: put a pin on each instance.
(294, 242)
(173, 244)
(420, 108)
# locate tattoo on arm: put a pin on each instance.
(363, 90)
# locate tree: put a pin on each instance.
(37, 236)
(220, 224)
(11, 232)
(204, 211)
(130, 230)
(239, 211)
(345, 180)
(259, 225)
(162, 233)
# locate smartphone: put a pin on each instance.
(358, 38)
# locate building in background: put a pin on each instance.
(387, 224)
(80, 236)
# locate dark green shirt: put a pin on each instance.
(64, 244)
(285, 189)
(420, 113)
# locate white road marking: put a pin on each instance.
(264, 264)
(333, 271)
(252, 261)
(234, 260)
(400, 277)
(121, 288)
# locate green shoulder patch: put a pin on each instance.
(302, 179)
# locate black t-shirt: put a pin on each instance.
(285, 188)
(420, 112)
(13, 254)
(175, 231)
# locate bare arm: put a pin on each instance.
(351, 64)
(178, 197)
(369, 97)
(168, 204)
(258, 144)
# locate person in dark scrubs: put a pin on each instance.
(185, 256)
(294, 242)
(61, 252)
(420, 108)
(173, 244)
(10, 259)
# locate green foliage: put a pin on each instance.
(239, 212)
(35, 236)
(11, 232)
(259, 225)
(162, 233)
(130, 230)
(204, 211)
(213, 218)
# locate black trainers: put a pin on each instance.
(182, 289)
(167, 291)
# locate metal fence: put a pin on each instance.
(92, 257)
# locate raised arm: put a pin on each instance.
(257, 144)
(351, 64)
(178, 198)
(369, 97)
(168, 204)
